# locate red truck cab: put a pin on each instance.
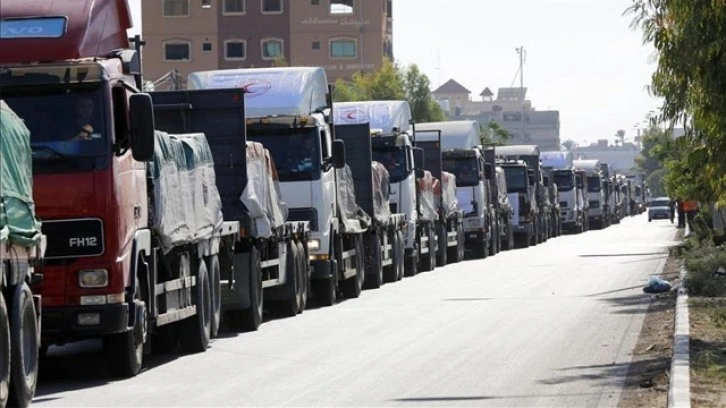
(67, 70)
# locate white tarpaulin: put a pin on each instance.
(447, 192)
(187, 206)
(354, 218)
(465, 197)
(425, 192)
(384, 115)
(285, 91)
(262, 195)
(381, 184)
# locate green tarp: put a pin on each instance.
(17, 210)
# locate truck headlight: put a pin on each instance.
(94, 278)
(314, 244)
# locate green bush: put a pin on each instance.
(701, 262)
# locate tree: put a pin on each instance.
(493, 133)
(657, 145)
(620, 134)
(391, 82)
(418, 94)
(690, 39)
(569, 145)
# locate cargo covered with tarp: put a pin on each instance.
(428, 210)
(381, 184)
(187, 206)
(261, 195)
(445, 192)
(354, 219)
(18, 223)
(388, 117)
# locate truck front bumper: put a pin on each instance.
(69, 323)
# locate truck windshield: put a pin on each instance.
(565, 181)
(296, 152)
(516, 179)
(593, 184)
(465, 170)
(394, 159)
(638, 191)
(68, 125)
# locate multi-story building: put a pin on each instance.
(510, 109)
(344, 36)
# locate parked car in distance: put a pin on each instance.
(659, 208)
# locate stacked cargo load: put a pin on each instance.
(446, 192)
(428, 210)
(381, 184)
(262, 195)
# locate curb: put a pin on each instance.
(679, 388)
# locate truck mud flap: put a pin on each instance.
(236, 296)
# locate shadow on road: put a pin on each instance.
(495, 397)
(608, 374)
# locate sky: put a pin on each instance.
(582, 57)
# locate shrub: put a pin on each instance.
(701, 263)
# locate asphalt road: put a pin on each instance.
(551, 325)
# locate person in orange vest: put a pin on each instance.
(690, 207)
(681, 213)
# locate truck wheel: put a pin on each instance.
(410, 266)
(4, 352)
(249, 319)
(391, 271)
(126, 350)
(214, 282)
(375, 264)
(441, 254)
(400, 256)
(452, 253)
(324, 290)
(428, 263)
(24, 353)
(197, 328)
(291, 306)
(304, 275)
(352, 287)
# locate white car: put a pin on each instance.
(659, 208)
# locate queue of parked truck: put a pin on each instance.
(161, 217)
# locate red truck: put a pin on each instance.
(127, 260)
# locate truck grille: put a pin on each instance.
(304, 214)
(74, 238)
(594, 204)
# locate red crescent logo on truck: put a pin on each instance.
(256, 87)
(351, 115)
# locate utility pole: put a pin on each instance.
(521, 52)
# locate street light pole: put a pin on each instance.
(520, 51)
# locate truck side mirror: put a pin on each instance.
(488, 171)
(141, 118)
(338, 154)
(418, 161)
(546, 181)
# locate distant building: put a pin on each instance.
(510, 109)
(621, 158)
(343, 36)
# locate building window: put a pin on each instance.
(235, 49)
(177, 51)
(233, 7)
(342, 7)
(272, 49)
(316, 45)
(207, 46)
(206, 4)
(315, 2)
(271, 6)
(176, 8)
(342, 48)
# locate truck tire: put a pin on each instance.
(375, 264)
(352, 287)
(249, 319)
(304, 274)
(410, 266)
(428, 262)
(197, 328)
(442, 252)
(291, 306)
(400, 258)
(390, 273)
(25, 344)
(215, 283)
(4, 352)
(126, 350)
